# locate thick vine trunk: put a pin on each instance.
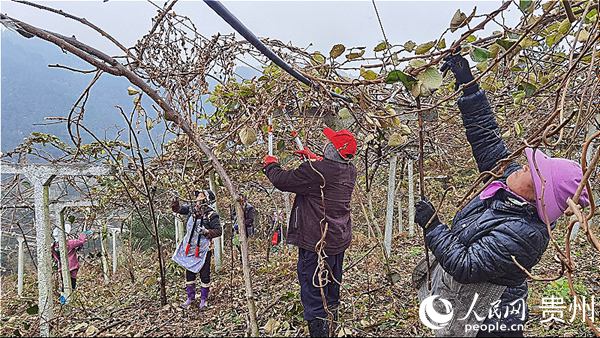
(112, 66)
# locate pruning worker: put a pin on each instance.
(195, 251)
(73, 246)
(249, 217)
(314, 215)
(507, 223)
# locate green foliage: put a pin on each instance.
(409, 46)
(479, 54)
(416, 251)
(344, 113)
(431, 78)
(525, 5)
(141, 235)
(32, 310)
(397, 139)
(506, 43)
(560, 288)
(399, 76)
(318, 58)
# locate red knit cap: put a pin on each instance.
(343, 141)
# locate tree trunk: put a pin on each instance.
(112, 66)
(161, 263)
(217, 241)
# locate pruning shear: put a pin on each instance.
(294, 134)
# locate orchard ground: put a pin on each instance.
(370, 305)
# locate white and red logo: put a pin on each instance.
(431, 317)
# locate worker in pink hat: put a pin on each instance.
(507, 223)
(334, 175)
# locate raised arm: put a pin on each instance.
(299, 181)
(76, 243)
(478, 118)
(179, 209)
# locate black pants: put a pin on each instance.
(204, 271)
(73, 284)
(311, 295)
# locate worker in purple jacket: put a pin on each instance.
(334, 176)
(73, 260)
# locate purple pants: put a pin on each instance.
(311, 295)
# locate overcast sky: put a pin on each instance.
(322, 23)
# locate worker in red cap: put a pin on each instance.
(334, 176)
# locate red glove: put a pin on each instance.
(269, 159)
(307, 154)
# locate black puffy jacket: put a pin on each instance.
(486, 234)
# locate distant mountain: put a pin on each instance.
(31, 91)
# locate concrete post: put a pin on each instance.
(411, 199)
(389, 215)
(400, 216)
(179, 232)
(64, 262)
(58, 209)
(218, 241)
(44, 264)
(20, 267)
(114, 249)
(40, 176)
(103, 251)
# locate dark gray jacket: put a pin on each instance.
(210, 220)
(304, 228)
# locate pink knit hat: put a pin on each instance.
(560, 179)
